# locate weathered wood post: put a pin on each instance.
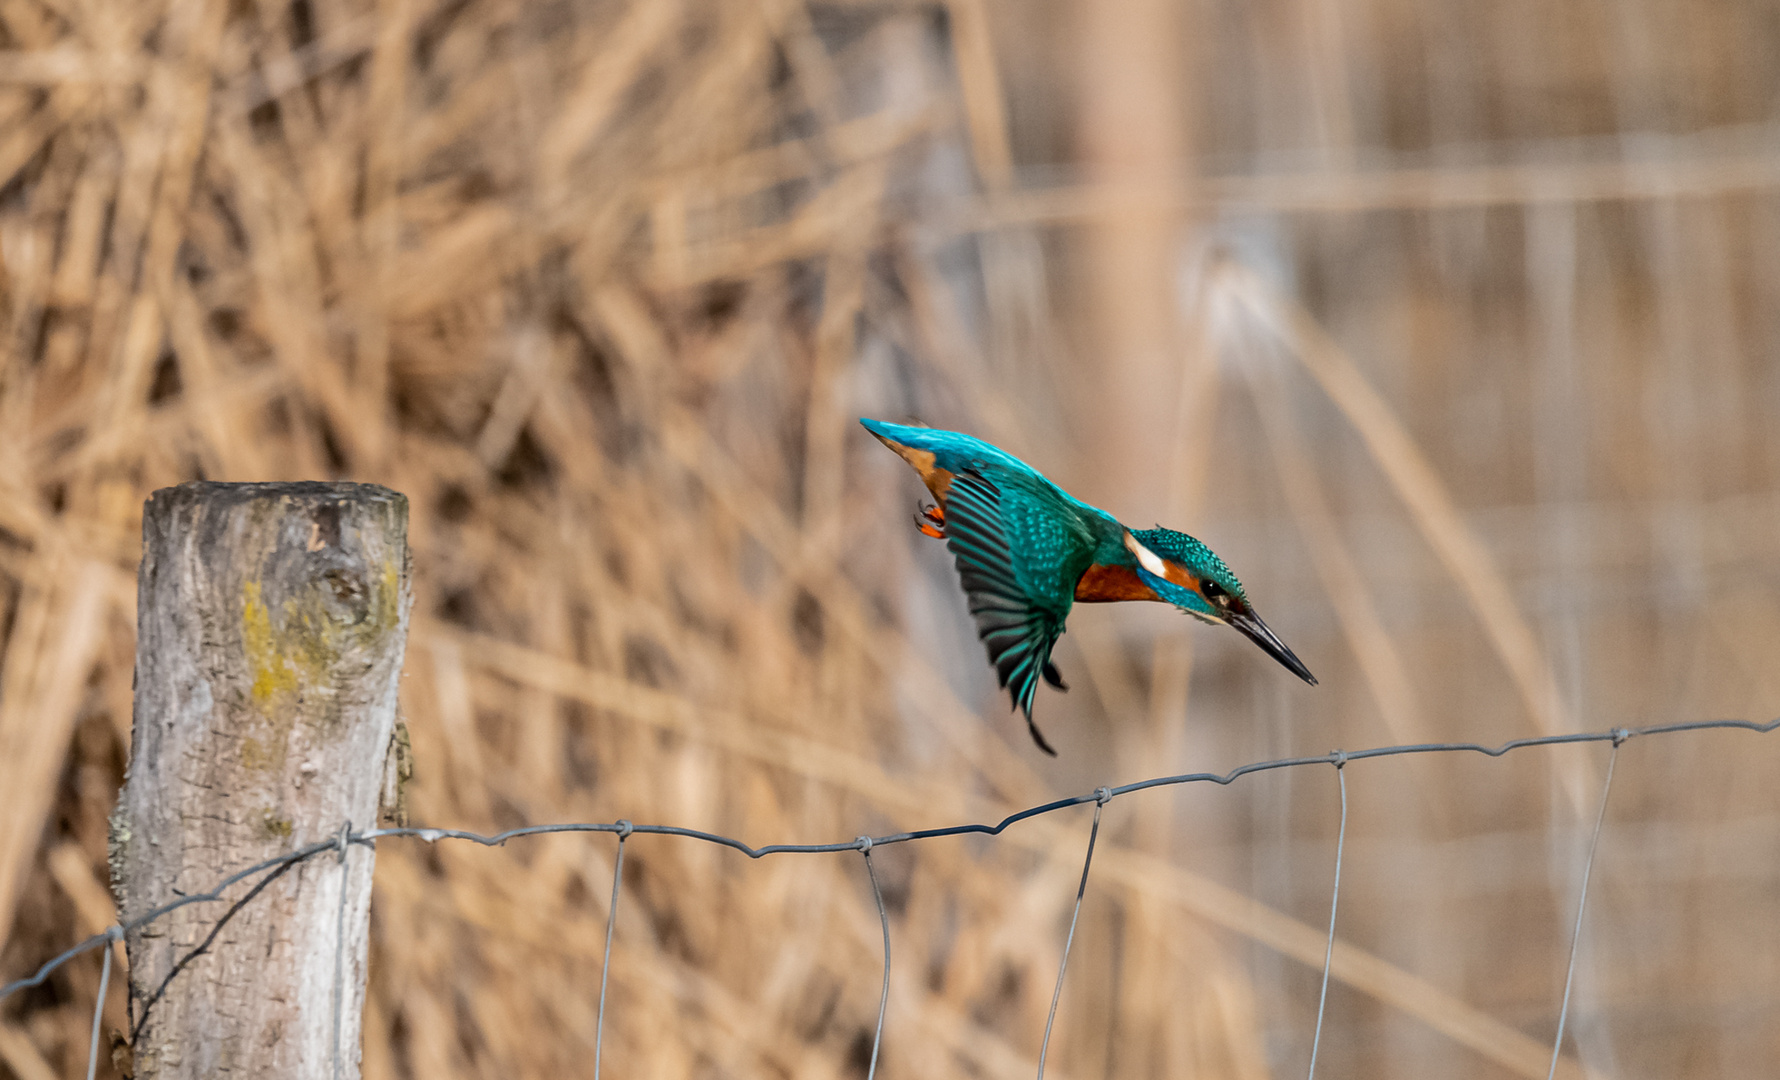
(270, 625)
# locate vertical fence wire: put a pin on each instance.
(599, 1023)
(877, 1040)
(1102, 796)
(111, 935)
(1322, 1001)
(1588, 867)
(339, 994)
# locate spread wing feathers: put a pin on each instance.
(1017, 631)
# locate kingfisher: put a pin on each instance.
(1027, 551)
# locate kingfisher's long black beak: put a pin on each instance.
(1256, 631)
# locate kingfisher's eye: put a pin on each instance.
(1212, 590)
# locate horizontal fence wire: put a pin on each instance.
(340, 842)
(303, 854)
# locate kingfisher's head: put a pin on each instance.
(1189, 575)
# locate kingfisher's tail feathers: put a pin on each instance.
(884, 429)
(905, 437)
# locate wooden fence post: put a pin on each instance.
(270, 625)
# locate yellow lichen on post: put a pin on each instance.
(274, 824)
(254, 754)
(299, 645)
(271, 671)
(389, 598)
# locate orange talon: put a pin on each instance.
(931, 521)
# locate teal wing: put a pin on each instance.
(1016, 563)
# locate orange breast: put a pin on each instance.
(1104, 584)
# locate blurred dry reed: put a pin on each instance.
(1453, 326)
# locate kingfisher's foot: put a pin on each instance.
(931, 521)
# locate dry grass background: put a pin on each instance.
(1453, 326)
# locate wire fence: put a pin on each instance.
(341, 843)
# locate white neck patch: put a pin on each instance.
(1146, 558)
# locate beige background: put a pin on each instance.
(1452, 326)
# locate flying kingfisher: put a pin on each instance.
(1027, 550)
